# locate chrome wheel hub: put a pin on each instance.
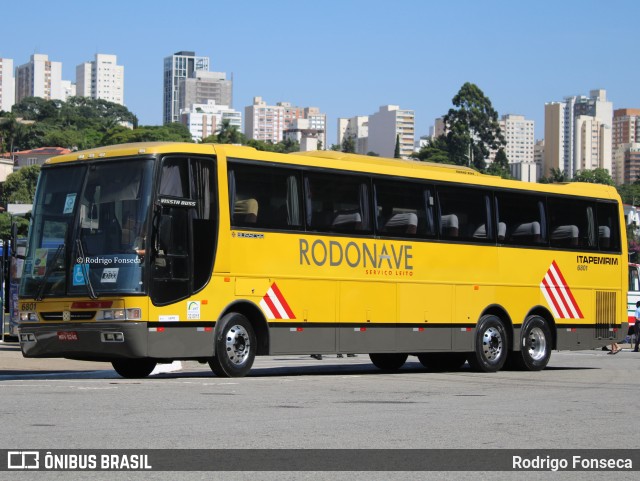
(492, 344)
(536, 344)
(237, 344)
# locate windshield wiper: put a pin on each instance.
(85, 270)
(50, 268)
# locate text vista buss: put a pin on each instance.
(141, 254)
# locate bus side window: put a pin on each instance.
(404, 209)
(464, 214)
(608, 227)
(572, 223)
(521, 219)
(337, 203)
(264, 196)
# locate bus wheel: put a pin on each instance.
(134, 368)
(235, 347)
(443, 361)
(535, 345)
(388, 362)
(491, 347)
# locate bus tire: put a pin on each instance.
(388, 361)
(235, 347)
(535, 345)
(134, 368)
(443, 361)
(490, 345)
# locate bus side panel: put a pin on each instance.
(367, 317)
(425, 312)
(311, 327)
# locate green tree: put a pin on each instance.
(434, 151)
(228, 134)
(630, 193)
(555, 176)
(20, 187)
(472, 127)
(396, 150)
(348, 144)
(7, 219)
(595, 176)
(500, 165)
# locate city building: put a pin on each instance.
(269, 122)
(7, 85)
(626, 127)
(39, 78)
(177, 67)
(25, 158)
(626, 160)
(391, 125)
(264, 122)
(578, 134)
(356, 128)
(101, 78)
(204, 120)
(205, 86)
(306, 133)
(519, 134)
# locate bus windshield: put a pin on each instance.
(89, 230)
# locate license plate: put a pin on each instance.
(67, 336)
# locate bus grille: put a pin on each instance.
(606, 303)
(74, 316)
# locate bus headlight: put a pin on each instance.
(28, 316)
(132, 314)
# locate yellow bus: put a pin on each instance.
(141, 254)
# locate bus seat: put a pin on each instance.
(481, 232)
(245, 211)
(604, 234)
(405, 223)
(527, 232)
(449, 225)
(566, 232)
(347, 219)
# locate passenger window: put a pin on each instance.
(337, 203)
(404, 209)
(521, 219)
(463, 214)
(266, 197)
(608, 228)
(572, 223)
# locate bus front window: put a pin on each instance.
(89, 230)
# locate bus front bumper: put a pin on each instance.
(84, 341)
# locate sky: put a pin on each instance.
(349, 57)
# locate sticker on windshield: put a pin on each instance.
(78, 274)
(109, 274)
(69, 203)
(40, 262)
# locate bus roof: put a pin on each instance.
(341, 160)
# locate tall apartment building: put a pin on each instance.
(204, 120)
(204, 86)
(626, 161)
(7, 85)
(264, 122)
(388, 125)
(626, 135)
(578, 133)
(519, 134)
(358, 129)
(177, 67)
(39, 78)
(101, 78)
(269, 122)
